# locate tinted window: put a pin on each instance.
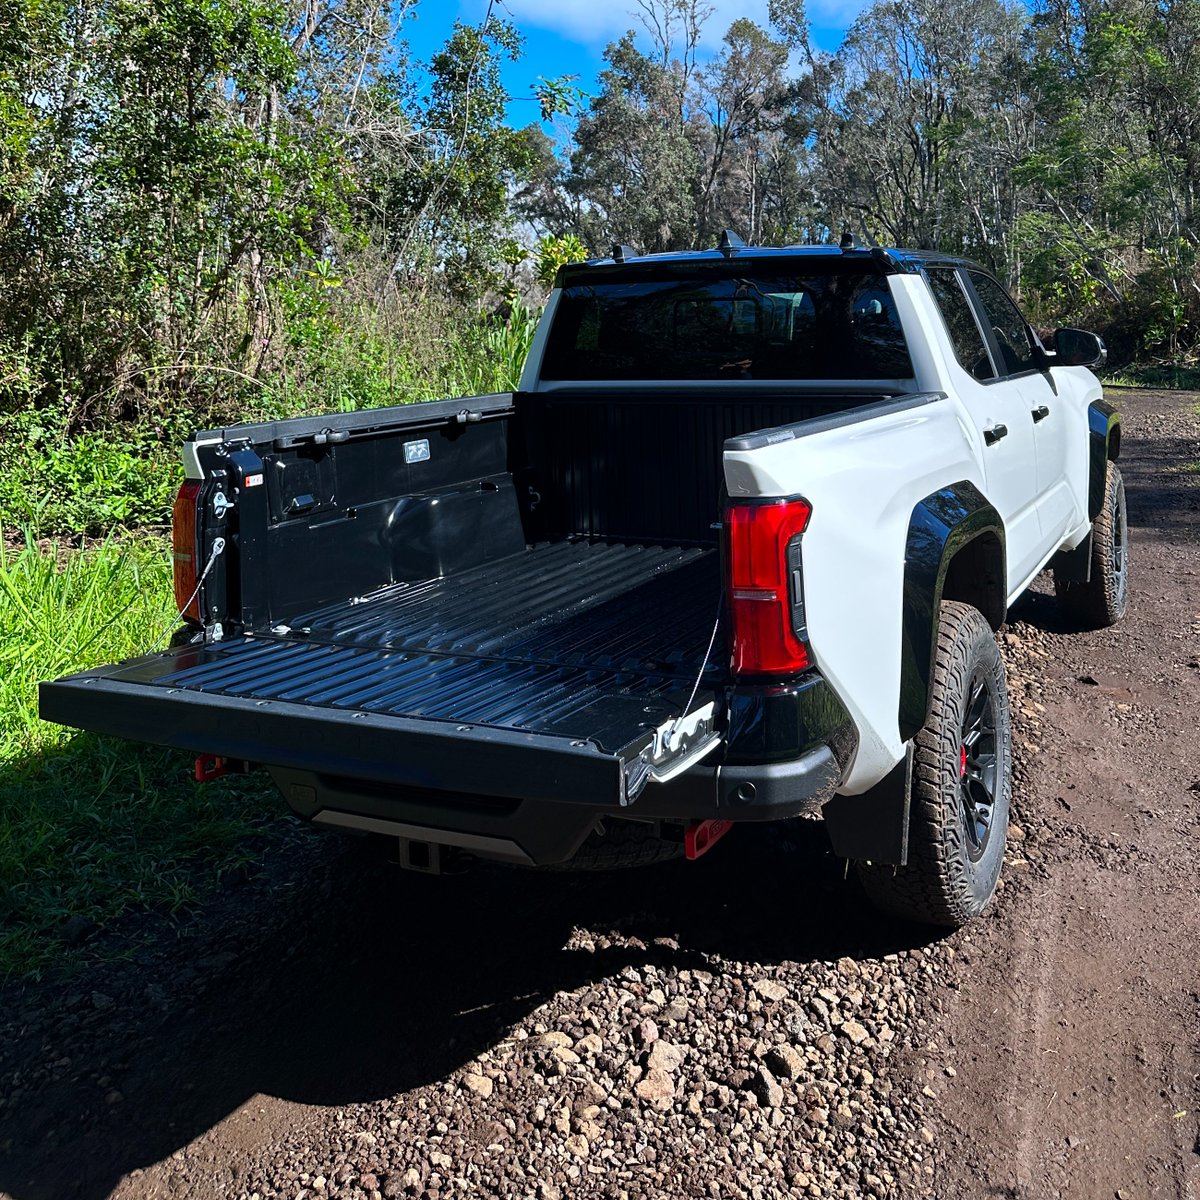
(1016, 348)
(728, 325)
(968, 342)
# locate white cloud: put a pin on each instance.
(595, 23)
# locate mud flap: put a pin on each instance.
(873, 827)
(1074, 566)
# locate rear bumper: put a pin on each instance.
(804, 729)
(540, 832)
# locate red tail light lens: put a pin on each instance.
(186, 551)
(763, 597)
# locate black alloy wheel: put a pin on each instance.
(977, 767)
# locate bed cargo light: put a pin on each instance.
(765, 597)
(186, 550)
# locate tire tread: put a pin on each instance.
(934, 887)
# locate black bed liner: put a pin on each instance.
(546, 673)
(572, 602)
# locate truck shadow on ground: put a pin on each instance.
(379, 982)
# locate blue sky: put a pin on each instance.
(567, 37)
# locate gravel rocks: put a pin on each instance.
(854, 1031)
(769, 989)
(664, 1057)
(756, 1092)
(656, 1034)
(785, 1062)
(766, 1089)
(479, 1085)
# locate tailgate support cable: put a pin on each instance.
(218, 548)
(712, 641)
(669, 738)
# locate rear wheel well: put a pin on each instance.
(975, 576)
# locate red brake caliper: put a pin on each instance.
(962, 761)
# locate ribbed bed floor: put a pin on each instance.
(580, 639)
(646, 608)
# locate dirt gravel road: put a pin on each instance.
(1075, 1031)
(739, 1027)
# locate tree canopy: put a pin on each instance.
(204, 194)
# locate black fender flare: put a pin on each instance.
(1104, 445)
(942, 524)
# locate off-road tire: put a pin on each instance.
(1103, 599)
(951, 872)
(624, 844)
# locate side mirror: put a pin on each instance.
(1078, 348)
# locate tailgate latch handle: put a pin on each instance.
(681, 743)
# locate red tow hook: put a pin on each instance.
(210, 767)
(701, 837)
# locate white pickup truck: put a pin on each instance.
(735, 551)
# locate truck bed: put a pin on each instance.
(502, 596)
(555, 639)
(590, 644)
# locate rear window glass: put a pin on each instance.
(735, 326)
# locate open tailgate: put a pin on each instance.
(445, 721)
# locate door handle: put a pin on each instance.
(1041, 413)
(993, 435)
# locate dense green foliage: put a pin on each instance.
(210, 208)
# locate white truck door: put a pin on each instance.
(1057, 510)
(1001, 413)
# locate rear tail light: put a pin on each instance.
(186, 550)
(766, 600)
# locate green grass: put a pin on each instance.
(1167, 378)
(98, 828)
(90, 826)
(59, 481)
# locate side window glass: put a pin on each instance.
(960, 321)
(1008, 326)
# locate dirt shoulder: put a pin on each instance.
(739, 1027)
(1074, 1033)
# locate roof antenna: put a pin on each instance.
(848, 242)
(730, 243)
(621, 252)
